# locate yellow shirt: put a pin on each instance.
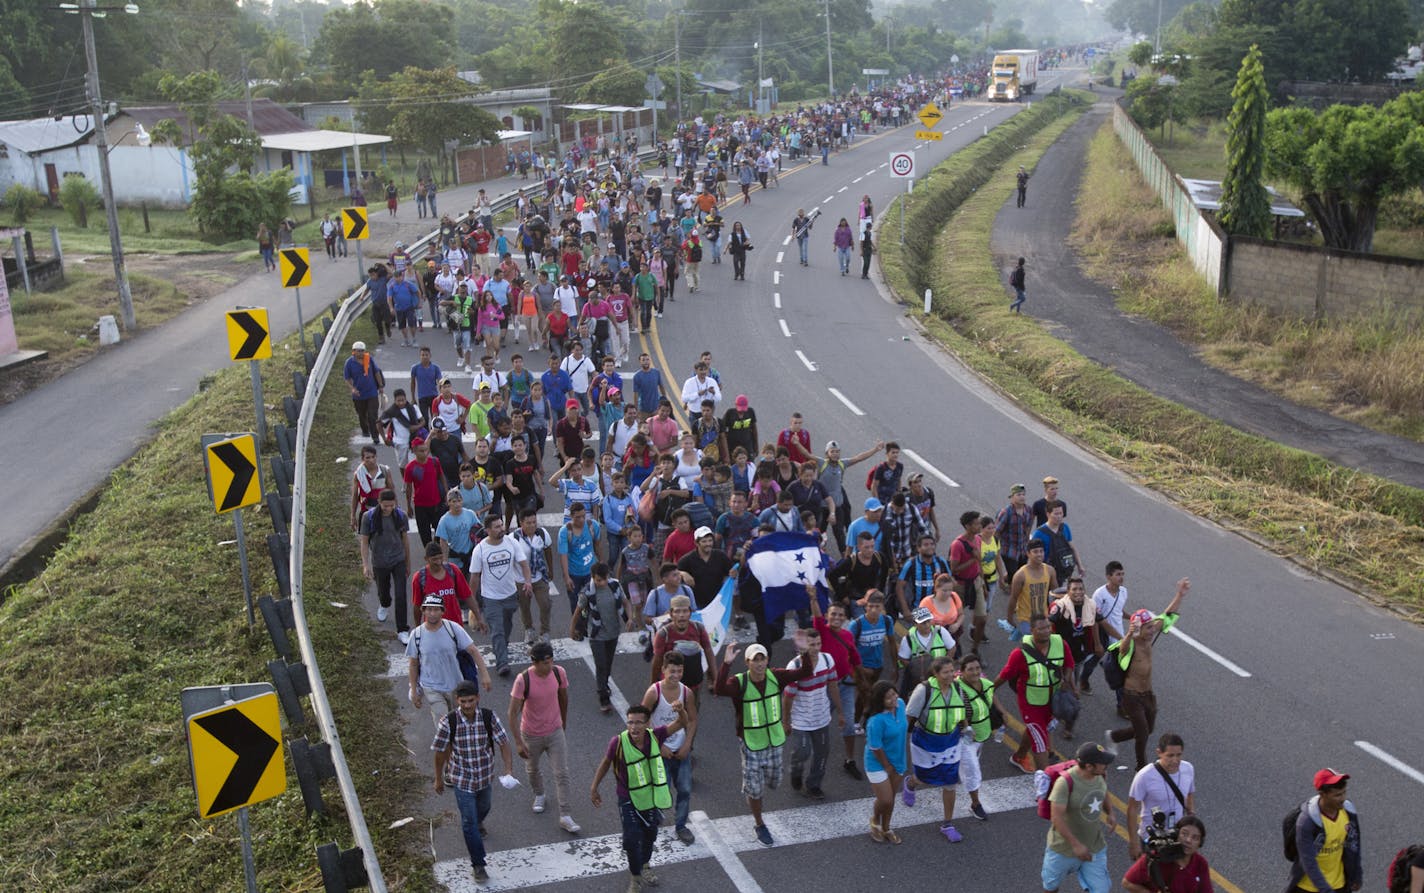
(1034, 599)
(1331, 858)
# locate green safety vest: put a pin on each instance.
(761, 714)
(978, 704)
(941, 715)
(935, 650)
(647, 777)
(1043, 679)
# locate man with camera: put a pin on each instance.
(1167, 785)
(1171, 863)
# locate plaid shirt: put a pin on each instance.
(904, 529)
(1014, 530)
(471, 764)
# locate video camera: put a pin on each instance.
(1162, 845)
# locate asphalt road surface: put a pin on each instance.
(1275, 673)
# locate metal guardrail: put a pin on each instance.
(346, 315)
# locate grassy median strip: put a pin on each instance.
(144, 600)
(1329, 518)
(1370, 371)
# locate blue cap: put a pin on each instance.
(873, 505)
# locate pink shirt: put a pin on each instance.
(541, 715)
(664, 433)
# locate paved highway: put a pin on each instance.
(1267, 681)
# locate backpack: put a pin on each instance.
(694, 254)
(469, 670)
(1043, 781)
(699, 514)
(1113, 671)
(486, 719)
(1399, 867)
(1288, 834)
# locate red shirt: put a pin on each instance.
(840, 645)
(424, 479)
(453, 589)
(1015, 671)
(1194, 877)
(959, 551)
(679, 543)
(798, 443)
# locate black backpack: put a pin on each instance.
(1113, 672)
(1399, 867)
(1288, 834)
(486, 719)
(694, 254)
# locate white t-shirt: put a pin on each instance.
(926, 642)
(498, 567)
(588, 221)
(622, 436)
(567, 296)
(495, 379)
(694, 392)
(811, 707)
(1149, 789)
(580, 370)
(1109, 607)
(436, 648)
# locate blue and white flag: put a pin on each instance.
(783, 564)
(718, 615)
(935, 757)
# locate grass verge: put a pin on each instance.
(1330, 519)
(144, 600)
(1370, 371)
(62, 321)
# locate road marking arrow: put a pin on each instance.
(254, 749)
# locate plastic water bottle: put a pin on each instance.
(999, 735)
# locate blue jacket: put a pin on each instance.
(1310, 837)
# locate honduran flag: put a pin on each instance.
(717, 616)
(783, 564)
(935, 757)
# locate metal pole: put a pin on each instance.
(830, 69)
(244, 828)
(761, 40)
(256, 368)
(301, 320)
(247, 92)
(360, 261)
(909, 187)
(1157, 38)
(101, 146)
(242, 563)
(20, 262)
(677, 61)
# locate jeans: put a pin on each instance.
(556, 746)
(427, 518)
(603, 651)
(679, 773)
(843, 258)
(802, 243)
(367, 409)
(845, 689)
(390, 585)
(499, 614)
(616, 542)
(640, 833)
(474, 806)
(739, 264)
(1018, 300)
(816, 744)
(1141, 709)
(578, 582)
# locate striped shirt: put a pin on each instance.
(471, 764)
(811, 706)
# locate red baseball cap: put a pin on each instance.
(1327, 778)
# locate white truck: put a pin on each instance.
(1013, 76)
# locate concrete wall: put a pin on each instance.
(1321, 283)
(1199, 234)
(159, 175)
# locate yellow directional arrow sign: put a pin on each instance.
(294, 267)
(232, 473)
(249, 334)
(929, 115)
(236, 752)
(354, 224)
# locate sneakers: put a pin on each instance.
(1085, 688)
(382, 613)
(950, 834)
(635, 884)
(469, 371)
(530, 636)
(853, 770)
(404, 636)
(978, 811)
(795, 781)
(907, 793)
(1109, 744)
(764, 836)
(649, 879)
(539, 802)
(815, 793)
(684, 834)
(567, 823)
(1025, 764)
(480, 874)
(503, 671)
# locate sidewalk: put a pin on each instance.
(126, 389)
(1083, 313)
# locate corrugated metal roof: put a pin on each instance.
(267, 117)
(43, 134)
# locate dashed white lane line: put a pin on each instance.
(920, 461)
(784, 329)
(857, 179)
(780, 255)
(1233, 667)
(830, 198)
(884, 164)
(1390, 760)
(776, 299)
(846, 400)
(786, 241)
(872, 170)
(842, 189)
(775, 277)
(806, 361)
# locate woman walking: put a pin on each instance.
(738, 244)
(843, 240)
(936, 720)
(867, 248)
(886, 759)
(490, 316)
(264, 247)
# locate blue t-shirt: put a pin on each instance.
(404, 295)
(646, 384)
(557, 385)
(887, 732)
(456, 531)
(363, 381)
(861, 525)
(870, 640)
(500, 289)
(615, 508)
(427, 380)
(519, 384)
(579, 548)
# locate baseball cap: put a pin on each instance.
(614, 392)
(702, 531)
(1017, 488)
(756, 649)
(433, 601)
(484, 386)
(922, 615)
(1141, 615)
(417, 441)
(742, 401)
(873, 505)
(1092, 752)
(358, 345)
(572, 404)
(832, 445)
(1327, 778)
(438, 424)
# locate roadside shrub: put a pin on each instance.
(234, 205)
(22, 202)
(78, 195)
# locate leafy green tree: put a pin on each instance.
(1141, 16)
(1245, 206)
(384, 38)
(617, 85)
(421, 109)
(1345, 160)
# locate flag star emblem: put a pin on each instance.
(801, 575)
(800, 557)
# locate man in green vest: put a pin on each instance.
(1034, 671)
(756, 697)
(635, 755)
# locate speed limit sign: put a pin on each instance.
(902, 165)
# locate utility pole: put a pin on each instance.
(101, 145)
(247, 93)
(1157, 38)
(761, 40)
(830, 70)
(677, 61)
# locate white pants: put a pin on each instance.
(969, 773)
(622, 342)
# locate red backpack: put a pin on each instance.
(1043, 781)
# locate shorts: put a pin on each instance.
(489, 330)
(1036, 721)
(405, 319)
(1093, 874)
(462, 339)
(760, 768)
(878, 776)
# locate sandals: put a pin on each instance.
(876, 834)
(892, 837)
